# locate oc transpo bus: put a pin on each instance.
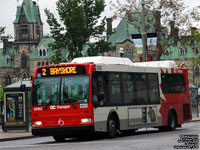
(110, 95)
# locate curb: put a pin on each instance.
(195, 120)
(17, 138)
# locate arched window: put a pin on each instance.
(128, 53)
(167, 52)
(24, 59)
(40, 52)
(38, 64)
(196, 71)
(8, 80)
(182, 51)
(24, 76)
(197, 51)
(8, 59)
(44, 52)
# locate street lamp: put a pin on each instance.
(121, 51)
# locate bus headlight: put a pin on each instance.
(86, 120)
(38, 123)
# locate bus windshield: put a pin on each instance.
(66, 90)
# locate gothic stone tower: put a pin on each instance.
(28, 31)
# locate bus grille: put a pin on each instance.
(186, 111)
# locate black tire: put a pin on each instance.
(163, 128)
(172, 121)
(59, 138)
(112, 127)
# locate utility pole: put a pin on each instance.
(144, 35)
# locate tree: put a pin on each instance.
(78, 22)
(3, 37)
(171, 12)
(99, 48)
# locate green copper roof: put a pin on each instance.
(43, 45)
(176, 54)
(127, 27)
(30, 9)
(5, 56)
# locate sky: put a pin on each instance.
(8, 12)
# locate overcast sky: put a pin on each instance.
(8, 12)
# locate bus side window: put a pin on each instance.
(141, 88)
(129, 89)
(173, 83)
(153, 89)
(98, 88)
(115, 90)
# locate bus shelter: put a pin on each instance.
(194, 96)
(17, 113)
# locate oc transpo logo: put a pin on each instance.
(61, 122)
(53, 107)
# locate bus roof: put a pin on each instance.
(160, 64)
(123, 61)
(103, 60)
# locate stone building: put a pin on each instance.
(28, 32)
(30, 49)
(182, 54)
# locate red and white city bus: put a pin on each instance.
(108, 94)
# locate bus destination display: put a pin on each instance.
(60, 70)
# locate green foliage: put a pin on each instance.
(3, 37)
(78, 22)
(99, 48)
(1, 94)
(170, 10)
(196, 61)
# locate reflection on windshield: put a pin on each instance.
(46, 91)
(75, 90)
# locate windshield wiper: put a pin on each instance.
(74, 106)
(47, 104)
(72, 102)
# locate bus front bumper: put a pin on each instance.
(64, 130)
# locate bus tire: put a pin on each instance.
(59, 138)
(172, 121)
(112, 127)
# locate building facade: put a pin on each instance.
(30, 49)
(126, 37)
(28, 32)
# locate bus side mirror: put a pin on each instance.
(100, 96)
(22, 87)
(95, 100)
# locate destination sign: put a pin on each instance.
(60, 70)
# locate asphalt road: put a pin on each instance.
(144, 139)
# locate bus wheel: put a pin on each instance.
(59, 138)
(112, 127)
(172, 121)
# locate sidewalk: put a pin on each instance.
(17, 135)
(14, 135)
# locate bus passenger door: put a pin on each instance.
(146, 101)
